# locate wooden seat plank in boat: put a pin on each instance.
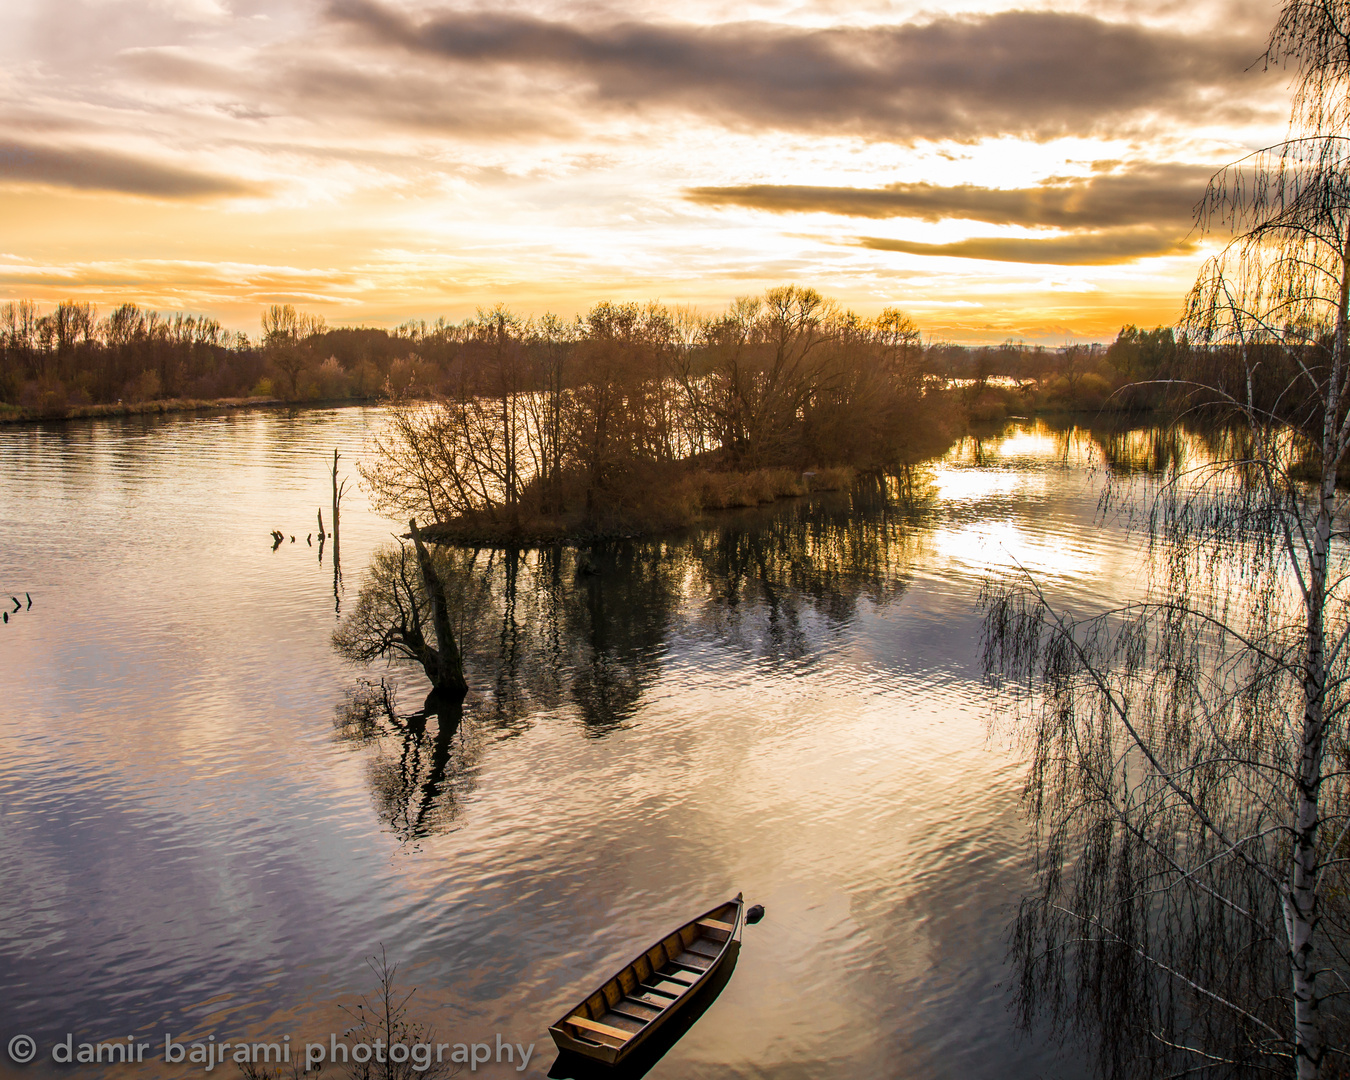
(610, 1023)
(599, 1029)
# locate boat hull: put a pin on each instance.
(629, 1011)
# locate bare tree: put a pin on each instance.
(769, 358)
(549, 349)
(499, 335)
(403, 612)
(285, 331)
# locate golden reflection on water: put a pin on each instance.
(984, 485)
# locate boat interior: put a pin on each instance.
(654, 983)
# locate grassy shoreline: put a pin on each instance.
(18, 414)
(699, 494)
(994, 405)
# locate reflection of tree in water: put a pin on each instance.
(542, 630)
(1185, 447)
(558, 631)
(1124, 447)
(762, 578)
(425, 762)
(1151, 450)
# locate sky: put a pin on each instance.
(998, 172)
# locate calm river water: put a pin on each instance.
(788, 703)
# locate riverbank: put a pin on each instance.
(1058, 397)
(17, 414)
(684, 502)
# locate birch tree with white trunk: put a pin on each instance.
(1188, 788)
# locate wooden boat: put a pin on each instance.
(630, 1008)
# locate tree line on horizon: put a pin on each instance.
(68, 357)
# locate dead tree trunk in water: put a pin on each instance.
(337, 502)
(449, 679)
(339, 489)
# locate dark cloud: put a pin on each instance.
(326, 87)
(103, 170)
(1084, 249)
(1144, 195)
(1115, 216)
(476, 107)
(1028, 73)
